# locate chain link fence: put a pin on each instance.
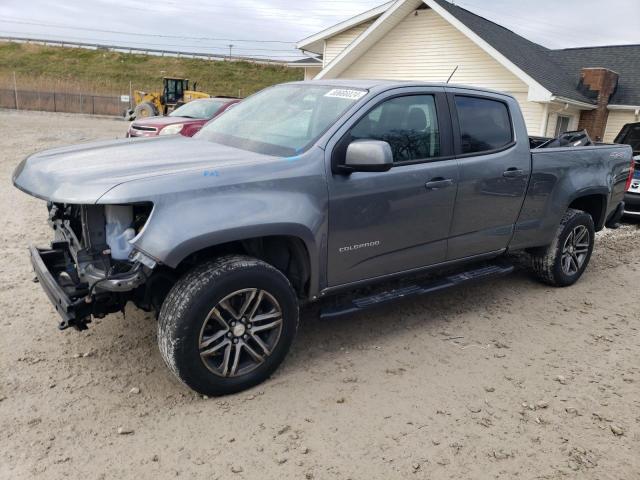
(70, 102)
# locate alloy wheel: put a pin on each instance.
(240, 332)
(575, 250)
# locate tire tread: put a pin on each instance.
(189, 287)
(543, 262)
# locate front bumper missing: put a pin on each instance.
(79, 295)
(75, 311)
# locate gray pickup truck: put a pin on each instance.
(303, 191)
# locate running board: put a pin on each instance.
(421, 288)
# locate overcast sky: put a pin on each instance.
(271, 27)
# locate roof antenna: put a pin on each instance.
(452, 73)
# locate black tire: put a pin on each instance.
(547, 263)
(187, 312)
(145, 109)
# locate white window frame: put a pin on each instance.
(559, 117)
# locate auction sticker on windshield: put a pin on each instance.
(345, 93)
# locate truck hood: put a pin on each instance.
(82, 173)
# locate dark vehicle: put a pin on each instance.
(185, 120)
(303, 191)
(630, 135)
(577, 138)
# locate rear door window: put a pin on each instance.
(485, 124)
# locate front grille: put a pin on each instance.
(142, 128)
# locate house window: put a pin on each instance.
(562, 125)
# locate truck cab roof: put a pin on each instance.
(382, 85)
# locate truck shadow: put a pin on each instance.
(380, 327)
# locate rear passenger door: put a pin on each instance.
(494, 171)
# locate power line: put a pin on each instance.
(178, 49)
(331, 12)
(208, 47)
(160, 35)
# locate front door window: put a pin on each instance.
(409, 124)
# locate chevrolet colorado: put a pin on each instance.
(302, 191)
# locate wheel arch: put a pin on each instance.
(291, 250)
(593, 202)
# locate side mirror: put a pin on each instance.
(368, 156)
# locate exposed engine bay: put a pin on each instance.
(92, 259)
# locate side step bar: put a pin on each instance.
(428, 286)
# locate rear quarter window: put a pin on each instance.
(485, 124)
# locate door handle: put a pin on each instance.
(513, 173)
(438, 182)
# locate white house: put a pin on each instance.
(597, 88)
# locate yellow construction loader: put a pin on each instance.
(175, 92)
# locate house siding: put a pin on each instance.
(335, 45)
(556, 110)
(311, 72)
(531, 111)
(426, 47)
(617, 119)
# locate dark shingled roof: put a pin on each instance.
(558, 70)
(307, 60)
(622, 59)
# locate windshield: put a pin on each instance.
(199, 109)
(283, 120)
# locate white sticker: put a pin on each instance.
(345, 93)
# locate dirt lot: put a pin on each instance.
(505, 379)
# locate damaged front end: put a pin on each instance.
(92, 268)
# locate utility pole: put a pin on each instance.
(230, 49)
(15, 89)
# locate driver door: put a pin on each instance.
(381, 223)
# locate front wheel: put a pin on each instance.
(564, 261)
(227, 325)
(144, 110)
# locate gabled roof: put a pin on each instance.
(530, 57)
(315, 43)
(556, 72)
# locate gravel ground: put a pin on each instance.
(503, 379)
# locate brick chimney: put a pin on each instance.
(599, 84)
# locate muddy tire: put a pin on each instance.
(227, 325)
(144, 110)
(564, 261)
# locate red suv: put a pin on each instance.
(185, 120)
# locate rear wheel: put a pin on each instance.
(563, 262)
(227, 325)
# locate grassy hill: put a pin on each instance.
(100, 71)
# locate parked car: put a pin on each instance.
(302, 191)
(185, 120)
(630, 135)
